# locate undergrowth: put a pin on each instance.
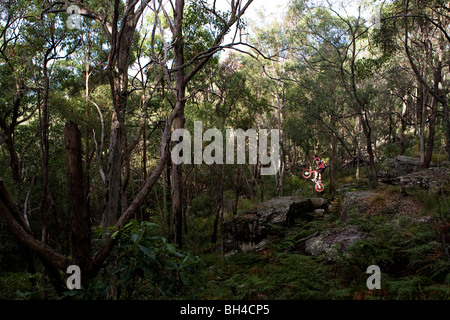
(410, 249)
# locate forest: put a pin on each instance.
(158, 150)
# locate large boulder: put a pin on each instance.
(248, 228)
(430, 179)
(408, 161)
(399, 166)
(409, 173)
(332, 243)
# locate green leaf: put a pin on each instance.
(114, 235)
(146, 251)
(128, 224)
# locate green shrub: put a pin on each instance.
(150, 266)
(143, 266)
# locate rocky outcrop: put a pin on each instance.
(409, 173)
(429, 179)
(356, 204)
(263, 220)
(399, 166)
(333, 242)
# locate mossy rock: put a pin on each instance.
(332, 243)
(356, 203)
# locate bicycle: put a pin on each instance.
(307, 173)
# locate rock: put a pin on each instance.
(281, 211)
(319, 203)
(445, 164)
(391, 208)
(253, 225)
(399, 166)
(369, 203)
(407, 161)
(262, 245)
(332, 243)
(319, 213)
(355, 202)
(429, 179)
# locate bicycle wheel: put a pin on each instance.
(320, 187)
(306, 173)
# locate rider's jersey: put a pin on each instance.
(321, 164)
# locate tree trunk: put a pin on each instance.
(118, 61)
(45, 205)
(368, 133)
(422, 116)
(144, 166)
(280, 173)
(219, 204)
(447, 128)
(431, 134)
(332, 155)
(403, 126)
(79, 216)
(237, 188)
(177, 194)
(434, 105)
(178, 123)
(112, 197)
(167, 193)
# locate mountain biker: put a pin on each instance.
(320, 167)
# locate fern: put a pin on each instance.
(441, 271)
(408, 288)
(437, 291)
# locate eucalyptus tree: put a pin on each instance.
(191, 24)
(274, 42)
(177, 65)
(420, 31)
